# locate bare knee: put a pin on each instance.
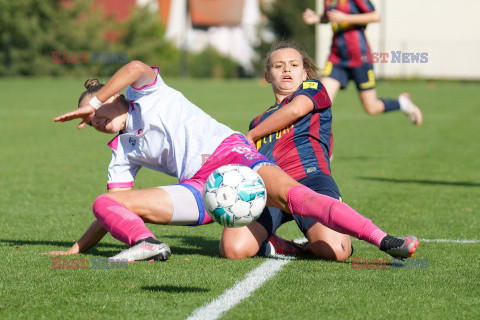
(339, 251)
(236, 250)
(343, 251)
(241, 243)
(370, 102)
(373, 108)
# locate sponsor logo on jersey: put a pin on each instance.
(273, 136)
(310, 85)
(311, 169)
(132, 141)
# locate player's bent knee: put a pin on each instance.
(343, 250)
(342, 254)
(372, 109)
(98, 203)
(236, 250)
(338, 251)
(337, 254)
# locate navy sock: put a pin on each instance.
(390, 104)
(149, 240)
(265, 250)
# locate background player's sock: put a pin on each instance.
(334, 214)
(390, 104)
(123, 224)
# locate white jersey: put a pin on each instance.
(164, 132)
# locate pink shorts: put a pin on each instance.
(233, 150)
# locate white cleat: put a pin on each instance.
(410, 109)
(144, 251)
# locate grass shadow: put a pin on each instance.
(194, 245)
(20, 242)
(424, 181)
(173, 289)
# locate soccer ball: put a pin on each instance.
(234, 195)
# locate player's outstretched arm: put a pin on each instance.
(359, 18)
(135, 73)
(310, 17)
(85, 113)
(91, 237)
(287, 115)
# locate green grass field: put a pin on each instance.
(423, 181)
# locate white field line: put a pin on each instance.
(239, 291)
(255, 279)
(451, 240)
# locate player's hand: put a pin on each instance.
(250, 138)
(310, 17)
(336, 16)
(86, 113)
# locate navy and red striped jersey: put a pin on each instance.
(349, 44)
(305, 146)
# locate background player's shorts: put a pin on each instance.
(363, 76)
(272, 218)
(233, 150)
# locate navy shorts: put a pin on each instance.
(272, 218)
(363, 76)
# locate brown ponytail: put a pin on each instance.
(92, 86)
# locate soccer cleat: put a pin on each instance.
(399, 247)
(411, 110)
(287, 248)
(144, 250)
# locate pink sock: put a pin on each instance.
(334, 214)
(123, 224)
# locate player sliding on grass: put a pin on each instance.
(295, 133)
(350, 57)
(160, 129)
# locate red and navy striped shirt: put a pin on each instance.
(349, 45)
(305, 146)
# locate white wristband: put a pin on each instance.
(94, 102)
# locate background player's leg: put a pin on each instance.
(371, 103)
(332, 86)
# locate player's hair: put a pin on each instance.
(93, 86)
(308, 63)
